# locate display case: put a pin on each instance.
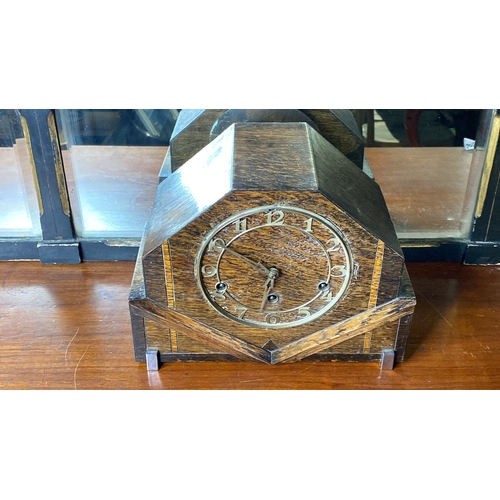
(81, 183)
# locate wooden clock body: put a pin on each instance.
(264, 197)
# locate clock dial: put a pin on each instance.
(274, 266)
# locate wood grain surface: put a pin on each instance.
(183, 246)
(68, 327)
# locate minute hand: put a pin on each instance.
(256, 265)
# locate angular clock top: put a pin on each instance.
(267, 157)
(195, 128)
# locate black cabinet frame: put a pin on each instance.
(59, 244)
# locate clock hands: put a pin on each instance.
(271, 274)
(255, 265)
(268, 286)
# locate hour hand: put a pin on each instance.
(256, 265)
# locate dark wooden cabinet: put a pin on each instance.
(58, 242)
(484, 245)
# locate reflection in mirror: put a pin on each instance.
(428, 164)
(112, 159)
(19, 212)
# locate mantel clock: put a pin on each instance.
(270, 245)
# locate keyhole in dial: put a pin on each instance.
(273, 298)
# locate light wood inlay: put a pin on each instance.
(377, 270)
(169, 280)
(368, 342)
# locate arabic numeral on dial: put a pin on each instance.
(241, 225)
(333, 244)
(275, 217)
(216, 244)
(309, 223)
(242, 312)
(217, 296)
(356, 270)
(273, 319)
(339, 271)
(327, 296)
(304, 312)
(208, 271)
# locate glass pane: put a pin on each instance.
(19, 212)
(428, 164)
(112, 159)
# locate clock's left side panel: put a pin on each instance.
(150, 281)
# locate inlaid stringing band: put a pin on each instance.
(169, 281)
(377, 271)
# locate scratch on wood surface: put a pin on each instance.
(437, 310)
(305, 369)
(253, 380)
(67, 347)
(16, 336)
(78, 364)
(246, 381)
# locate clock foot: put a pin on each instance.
(388, 357)
(153, 360)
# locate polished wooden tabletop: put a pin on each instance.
(68, 327)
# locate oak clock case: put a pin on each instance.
(270, 245)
